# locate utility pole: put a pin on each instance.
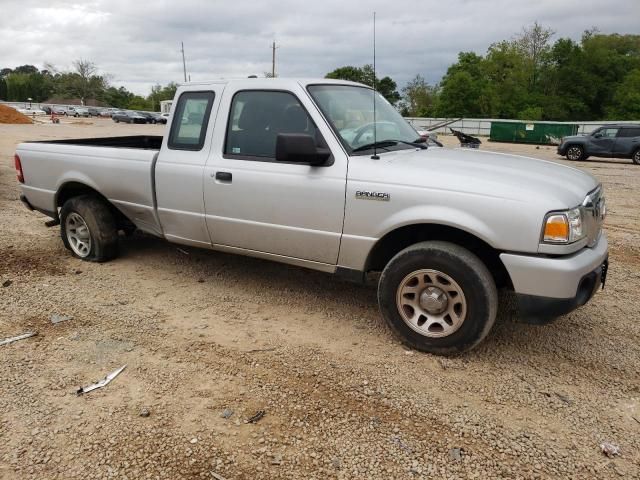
(273, 60)
(184, 64)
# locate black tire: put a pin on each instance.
(471, 275)
(575, 153)
(116, 120)
(100, 222)
(636, 157)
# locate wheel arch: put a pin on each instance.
(402, 237)
(74, 188)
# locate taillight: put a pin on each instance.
(19, 172)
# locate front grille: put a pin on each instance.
(595, 210)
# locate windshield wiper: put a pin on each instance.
(388, 143)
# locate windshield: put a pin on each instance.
(349, 110)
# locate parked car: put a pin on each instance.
(269, 168)
(46, 109)
(79, 112)
(94, 112)
(108, 112)
(152, 117)
(160, 119)
(128, 117)
(31, 111)
(615, 141)
(58, 110)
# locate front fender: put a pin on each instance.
(355, 249)
(439, 215)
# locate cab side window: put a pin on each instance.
(190, 120)
(256, 119)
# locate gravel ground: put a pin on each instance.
(210, 339)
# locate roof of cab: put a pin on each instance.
(274, 82)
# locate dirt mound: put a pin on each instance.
(10, 115)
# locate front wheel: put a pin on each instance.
(88, 229)
(575, 152)
(636, 157)
(438, 297)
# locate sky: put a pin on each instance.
(137, 42)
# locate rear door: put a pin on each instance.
(603, 141)
(255, 203)
(180, 166)
(627, 141)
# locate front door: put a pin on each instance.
(254, 202)
(604, 141)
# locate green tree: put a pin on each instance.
(386, 85)
(3, 89)
(418, 98)
(465, 89)
(160, 93)
(117, 97)
(533, 45)
(137, 102)
(507, 87)
(20, 86)
(26, 69)
(626, 99)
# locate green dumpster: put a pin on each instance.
(540, 133)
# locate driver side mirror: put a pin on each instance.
(300, 148)
(597, 135)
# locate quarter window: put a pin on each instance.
(256, 119)
(190, 120)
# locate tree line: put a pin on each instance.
(83, 82)
(528, 77)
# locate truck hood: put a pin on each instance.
(470, 171)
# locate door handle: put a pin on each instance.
(224, 176)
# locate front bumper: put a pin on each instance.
(547, 287)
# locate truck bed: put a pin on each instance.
(119, 168)
(145, 142)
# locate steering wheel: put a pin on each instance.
(369, 126)
(362, 130)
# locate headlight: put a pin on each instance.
(564, 227)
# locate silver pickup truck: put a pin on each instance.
(303, 172)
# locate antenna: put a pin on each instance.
(273, 59)
(375, 136)
(184, 64)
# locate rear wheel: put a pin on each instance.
(575, 152)
(88, 229)
(636, 157)
(438, 297)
